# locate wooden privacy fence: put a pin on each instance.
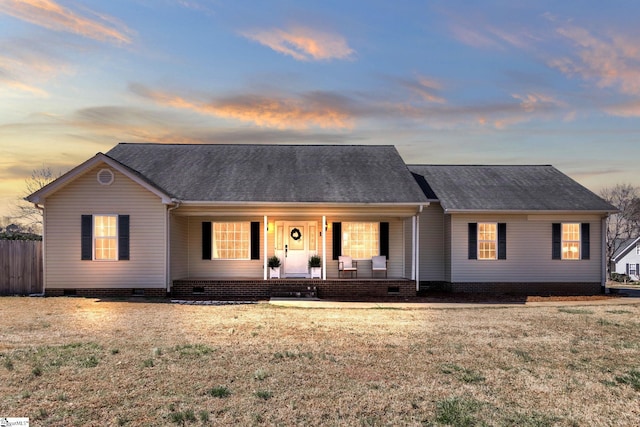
(20, 267)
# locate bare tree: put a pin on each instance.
(625, 224)
(26, 212)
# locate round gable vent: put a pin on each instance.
(105, 176)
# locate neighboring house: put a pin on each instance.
(626, 259)
(203, 219)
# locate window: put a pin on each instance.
(231, 240)
(570, 241)
(360, 240)
(105, 237)
(487, 240)
(632, 269)
(638, 249)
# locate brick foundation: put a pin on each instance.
(108, 292)
(538, 288)
(261, 289)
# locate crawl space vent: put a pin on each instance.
(105, 177)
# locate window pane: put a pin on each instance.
(231, 240)
(105, 237)
(360, 240)
(487, 240)
(571, 241)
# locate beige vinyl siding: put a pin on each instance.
(432, 249)
(407, 224)
(85, 196)
(179, 247)
(529, 242)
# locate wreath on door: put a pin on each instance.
(296, 234)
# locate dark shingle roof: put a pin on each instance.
(508, 188)
(273, 173)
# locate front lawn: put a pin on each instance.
(73, 361)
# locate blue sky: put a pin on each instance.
(495, 82)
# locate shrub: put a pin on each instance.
(273, 262)
(620, 277)
(315, 261)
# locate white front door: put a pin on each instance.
(298, 244)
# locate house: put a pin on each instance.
(202, 220)
(518, 229)
(626, 259)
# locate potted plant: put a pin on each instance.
(315, 266)
(274, 267)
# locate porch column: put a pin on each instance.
(324, 247)
(413, 247)
(266, 246)
(416, 261)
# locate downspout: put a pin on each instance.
(44, 258)
(417, 250)
(176, 203)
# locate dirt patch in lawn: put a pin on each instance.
(74, 361)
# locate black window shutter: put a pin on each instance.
(637, 271)
(255, 240)
(337, 239)
(586, 241)
(123, 237)
(502, 240)
(473, 240)
(627, 269)
(556, 241)
(86, 236)
(206, 240)
(384, 239)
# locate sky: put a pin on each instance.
(445, 81)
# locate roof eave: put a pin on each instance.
(626, 250)
(531, 211)
(38, 197)
(306, 204)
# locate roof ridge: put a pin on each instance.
(480, 165)
(230, 144)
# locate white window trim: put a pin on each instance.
(562, 241)
(94, 237)
(213, 241)
(495, 242)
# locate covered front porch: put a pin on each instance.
(225, 253)
(252, 289)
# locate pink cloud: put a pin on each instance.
(303, 44)
(612, 62)
(51, 15)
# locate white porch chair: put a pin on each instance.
(379, 263)
(347, 264)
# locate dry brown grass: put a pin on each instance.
(71, 361)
